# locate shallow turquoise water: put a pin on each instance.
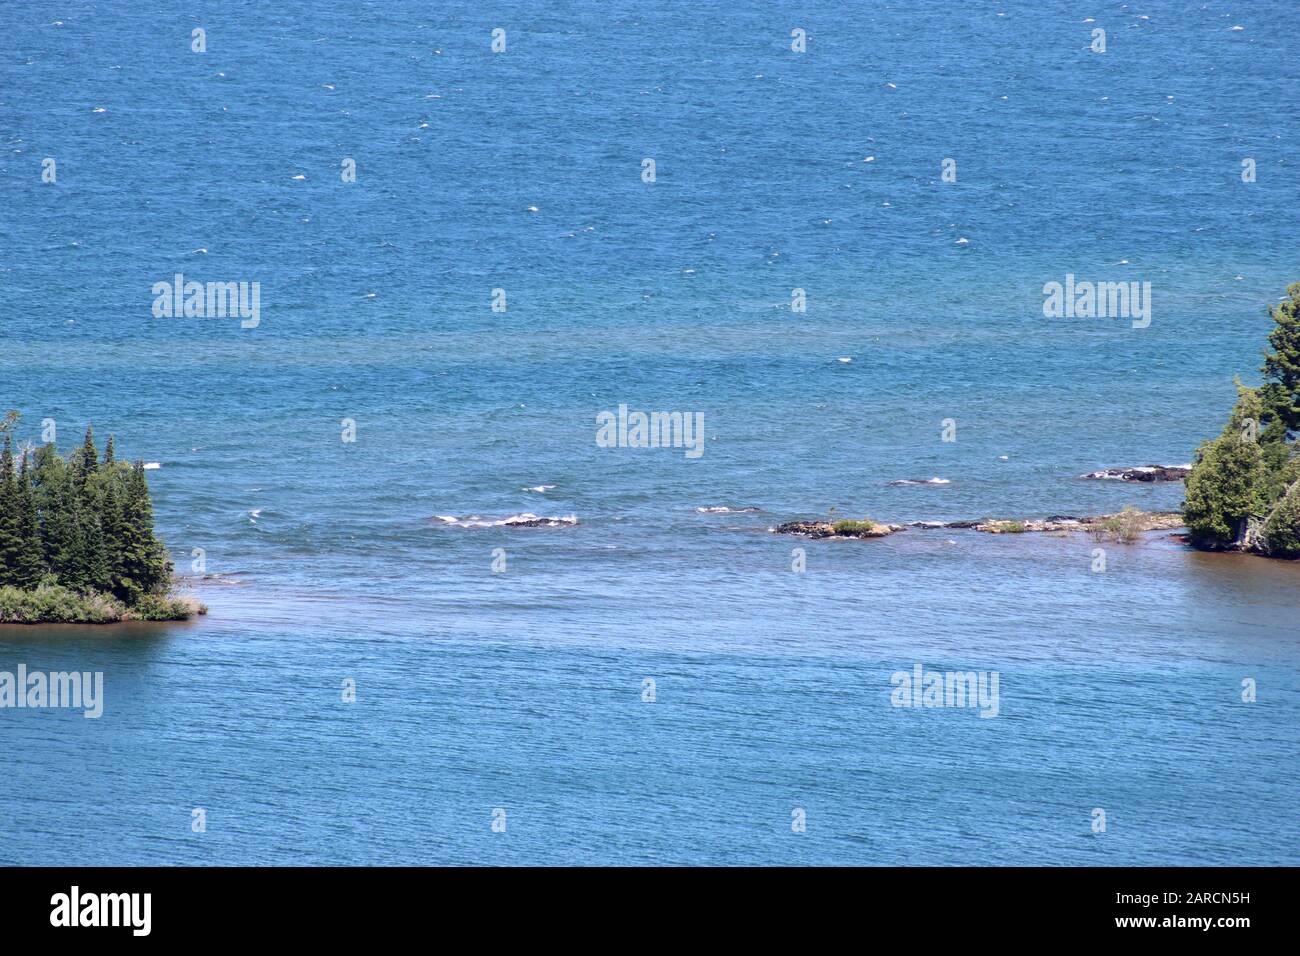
(522, 690)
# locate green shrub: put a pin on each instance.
(1007, 527)
(154, 607)
(1124, 527)
(850, 526)
(53, 604)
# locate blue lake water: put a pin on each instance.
(521, 170)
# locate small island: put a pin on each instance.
(77, 544)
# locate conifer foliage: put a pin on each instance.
(80, 525)
(1243, 492)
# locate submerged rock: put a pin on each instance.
(1141, 473)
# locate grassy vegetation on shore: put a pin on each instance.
(52, 604)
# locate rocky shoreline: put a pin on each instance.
(1121, 524)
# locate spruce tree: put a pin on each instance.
(55, 504)
(74, 572)
(145, 568)
(11, 542)
(31, 563)
(113, 523)
(86, 462)
(90, 563)
(86, 524)
(160, 565)
(1282, 363)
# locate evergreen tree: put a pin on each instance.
(55, 504)
(144, 568)
(11, 542)
(1227, 482)
(31, 563)
(113, 522)
(1282, 530)
(90, 563)
(74, 570)
(1281, 468)
(86, 525)
(86, 462)
(1282, 363)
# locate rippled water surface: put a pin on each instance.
(521, 171)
